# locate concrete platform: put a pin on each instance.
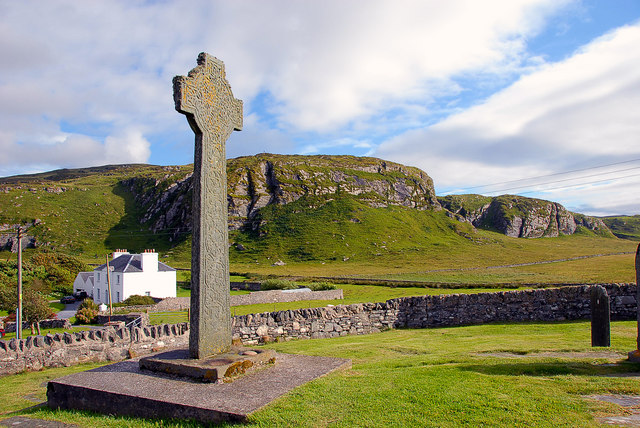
(220, 368)
(124, 389)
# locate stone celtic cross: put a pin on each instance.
(205, 97)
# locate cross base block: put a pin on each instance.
(219, 368)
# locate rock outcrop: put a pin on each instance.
(257, 181)
(518, 216)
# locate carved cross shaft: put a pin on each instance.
(205, 97)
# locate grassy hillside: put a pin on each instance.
(83, 212)
(88, 213)
(342, 228)
(625, 227)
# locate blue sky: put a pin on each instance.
(533, 97)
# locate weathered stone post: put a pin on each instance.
(205, 97)
(638, 293)
(600, 317)
(635, 355)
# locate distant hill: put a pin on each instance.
(625, 227)
(521, 217)
(293, 207)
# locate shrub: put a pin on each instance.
(88, 303)
(278, 284)
(136, 300)
(319, 286)
(86, 316)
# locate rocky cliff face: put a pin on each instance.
(518, 216)
(256, 181)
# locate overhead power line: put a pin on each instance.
(577, 185)
(570, 179)
(548, 175)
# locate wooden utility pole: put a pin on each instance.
(19, 314)
(109, 288)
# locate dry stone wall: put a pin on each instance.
(559, 304)
(10, 327)
(255, 297)
(61, 350)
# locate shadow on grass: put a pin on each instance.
(555, 368)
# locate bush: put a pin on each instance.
(277, 284)
(86, 316)
(137, 300)
(319, 286)
(88, 303)
(87, 312)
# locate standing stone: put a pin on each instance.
(600, 317)
(205, 97)
(638, 293)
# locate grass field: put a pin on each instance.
(500, 259)
(491, 375)
(352, 294)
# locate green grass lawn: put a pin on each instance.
(57, 306)
(445, 377)
(352, 294)
(465, 262)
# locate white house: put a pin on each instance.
(130, 274)
(84, 282)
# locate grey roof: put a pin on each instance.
(131, 263)
(87, 277)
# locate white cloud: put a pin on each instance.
(257, 137)
(580, 112)
(131, 146)
(72, 150)
(329, 63)
(98, 68)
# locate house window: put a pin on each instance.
(147, 293)
(98, 294)
(117, 279)
(98, 276)
(117, 296)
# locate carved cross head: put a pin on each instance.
(205, 97)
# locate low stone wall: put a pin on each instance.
(255, 297)
(251, 286)
(172, 304)
(10, 327)
(281, 296)
(134, 308)
(58, 350)
(103, 318)
(559, 304)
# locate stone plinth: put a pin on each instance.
(123, 389)
(218, 368)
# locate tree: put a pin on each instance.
(36, 308)
(61, 270)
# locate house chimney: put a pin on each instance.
(149, 261)
(117, 253)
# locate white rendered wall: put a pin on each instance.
(157, 284)
(103, 286)
(80, 284)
